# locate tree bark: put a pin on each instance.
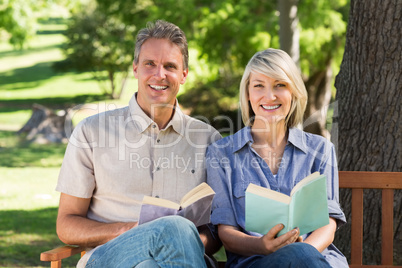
(46, 126)
(288, 28)
(319, 96)
(369, 117)
(318, 85)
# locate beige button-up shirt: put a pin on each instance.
(118, 156)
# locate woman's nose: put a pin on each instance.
(270, 94)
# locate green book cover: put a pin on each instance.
(306, 207)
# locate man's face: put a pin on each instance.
(160, 73)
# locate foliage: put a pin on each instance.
(97, 43)
(16, 17)
(227, 33)
(19, 18)
(322, 37)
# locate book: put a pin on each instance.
(195, 206)
(306, 207)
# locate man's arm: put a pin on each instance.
(73, 226)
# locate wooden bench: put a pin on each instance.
(355, 180)
(387, 182)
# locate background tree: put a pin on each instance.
(19, 17)
(369, 118)
(322, 37)
(289, 34)
(101, 44)
(225, 34)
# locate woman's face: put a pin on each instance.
(270, 99)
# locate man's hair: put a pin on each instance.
(162, 30)
(276, 64)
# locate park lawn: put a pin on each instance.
(28, 172)
(28, 211)
(28, 201)
(28, 76)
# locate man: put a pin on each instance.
(147, 148)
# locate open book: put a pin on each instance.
(306, 207)
(195, 206)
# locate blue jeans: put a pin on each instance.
(171, 241)
(300, 255)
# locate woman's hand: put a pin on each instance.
(271, 244)
(238, 242)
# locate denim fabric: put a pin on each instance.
(298, 255)
(171, 241)
(232, 164)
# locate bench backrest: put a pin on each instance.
(387, 182)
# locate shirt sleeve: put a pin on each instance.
(329, 167)
(76, 175)
(218, 179)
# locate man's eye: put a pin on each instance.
(170, 66)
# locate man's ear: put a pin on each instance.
(135, 67)
(185, 73)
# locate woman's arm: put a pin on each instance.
(238, 242)
(322, 237)
(212, 244)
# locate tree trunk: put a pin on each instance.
(46, 126)
(369, 123)
(288, 28)
(318, 85)
(319, 96)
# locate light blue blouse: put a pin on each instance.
(232, 164)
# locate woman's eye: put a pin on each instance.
(280, 85)
(258, 85)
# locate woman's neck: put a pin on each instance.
(270, 135)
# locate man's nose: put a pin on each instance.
(160, 72)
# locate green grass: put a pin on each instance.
(28, 172)
(28, 201)
(28, 77)
(28, 211)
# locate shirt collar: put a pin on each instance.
(142, 121)
(297, 139)
(243, 137)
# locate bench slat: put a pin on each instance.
(356, 256)
(387, 216)
(370, 180)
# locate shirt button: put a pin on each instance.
(157, 196)
(192, 171)
(158, 168)
(158, 140)
(154, 126)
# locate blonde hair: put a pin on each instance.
(277, 64)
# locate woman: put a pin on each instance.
(270, 151)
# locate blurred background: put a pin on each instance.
(63, 60)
